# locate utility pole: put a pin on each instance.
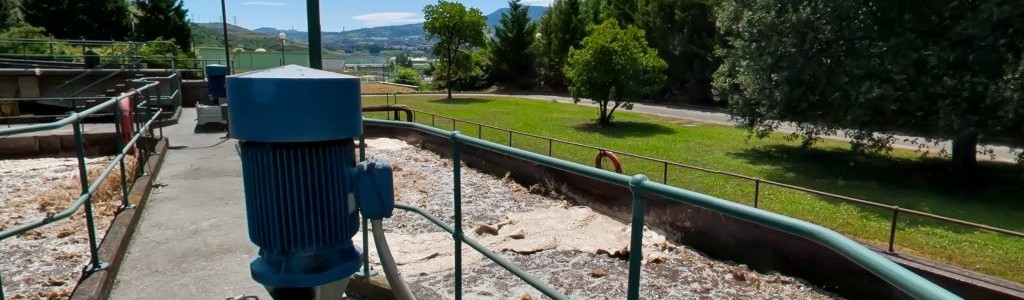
(313, 21)
(227, 49)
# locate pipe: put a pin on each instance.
(398, 286)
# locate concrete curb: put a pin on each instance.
(115, 244)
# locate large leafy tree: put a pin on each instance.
(562, 28)
(614, 68)
(684, 33)
(513, 59)
(89, 19)
(163, 19)
(458, 31)
(946, 69)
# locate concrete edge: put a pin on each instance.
(115, 244)
(377, 287)
(172, 120)
(950, 274)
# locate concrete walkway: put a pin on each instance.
(192, 241)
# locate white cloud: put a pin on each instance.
(388, 17)
(264, 3)
(538, 2)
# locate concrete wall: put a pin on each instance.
(719, 236)
(49, 79)
(191, 91)
(96, 144)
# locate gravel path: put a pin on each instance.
(671, 271)
(46, 263)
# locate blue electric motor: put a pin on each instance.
(296, 127)
(215, 85)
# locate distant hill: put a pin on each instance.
(396, 32)
(232, 29)
(211, 35)
(535, 13)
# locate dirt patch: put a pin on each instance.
(577, 251)
(377, 88)
(46, 263)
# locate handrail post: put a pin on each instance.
(550, 142)
(757, 190)
(83, 175)
(53, 57)
(664, 174)
(365, 229)
(510, 138)
(159, 96)
(479, 131)
(2, 297)
(118, 133)
(457, 196)
(892, 228)
(176, 86)
(636, 236)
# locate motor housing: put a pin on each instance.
(296, 127)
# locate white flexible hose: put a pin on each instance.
(398, 286)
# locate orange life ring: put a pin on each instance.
(127, 122)
(611, 156)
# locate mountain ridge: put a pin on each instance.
(391, 32)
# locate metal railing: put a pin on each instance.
(57, 50)
(144, 103)
(757, 183)
(54, 48)
(640, 186)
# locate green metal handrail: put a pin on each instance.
(903, 279)
(152, 115)
(895, 210)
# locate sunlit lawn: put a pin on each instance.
(904, 179)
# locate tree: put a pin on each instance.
(88, 19)
(615, 66)
(403, 60)
(7, 15)
(457, 31)
(374, 48)
(874, 69)
(407, 76)
(24, 31)
(163, 19)
(622, 10)
(593, 10)
(684, 33)
(512, 56)
(562, 28)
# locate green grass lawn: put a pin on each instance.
(905, 178)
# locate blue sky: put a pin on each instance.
(334, 14)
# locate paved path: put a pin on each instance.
(192, 242)
(1001, 153)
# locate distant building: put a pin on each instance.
(260, 50)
